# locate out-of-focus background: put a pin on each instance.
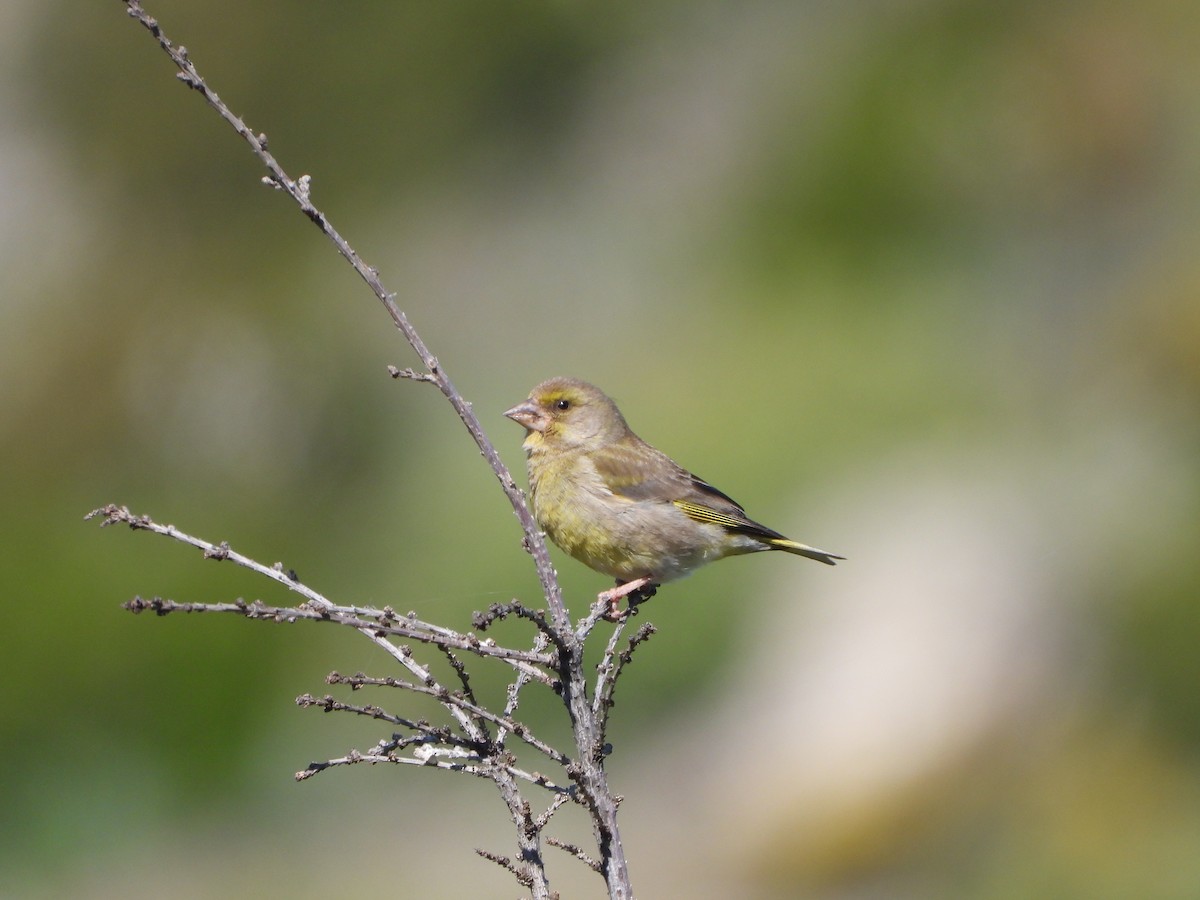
(915, 282)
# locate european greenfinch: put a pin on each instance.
(620, 506)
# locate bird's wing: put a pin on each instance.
(636, 471)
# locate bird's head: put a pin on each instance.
(566, 412)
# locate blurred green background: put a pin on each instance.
(915, 282)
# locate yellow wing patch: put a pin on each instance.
(702, 513)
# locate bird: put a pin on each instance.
(622, 507)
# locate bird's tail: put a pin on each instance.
(805, 550)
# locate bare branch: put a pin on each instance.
(114, 514)
(461, 671)
(468, 765)
(447, 698)
(300, 191)
(424, 731)
(412, 629)
(557, 646)
(497, 611)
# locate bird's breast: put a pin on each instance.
(615, 535)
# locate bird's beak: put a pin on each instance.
(528, 416)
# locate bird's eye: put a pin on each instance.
(562, 404)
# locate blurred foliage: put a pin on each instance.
(795, 241)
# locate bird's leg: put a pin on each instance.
(638, 590)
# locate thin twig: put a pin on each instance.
(508, 865)
(512, 699)
(411, 375)
(471, 765)
(544, 819)
(610, 669)
(575, 851)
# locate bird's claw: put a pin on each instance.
(638, 591)
(614, 613)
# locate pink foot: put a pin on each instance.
(613, 597)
